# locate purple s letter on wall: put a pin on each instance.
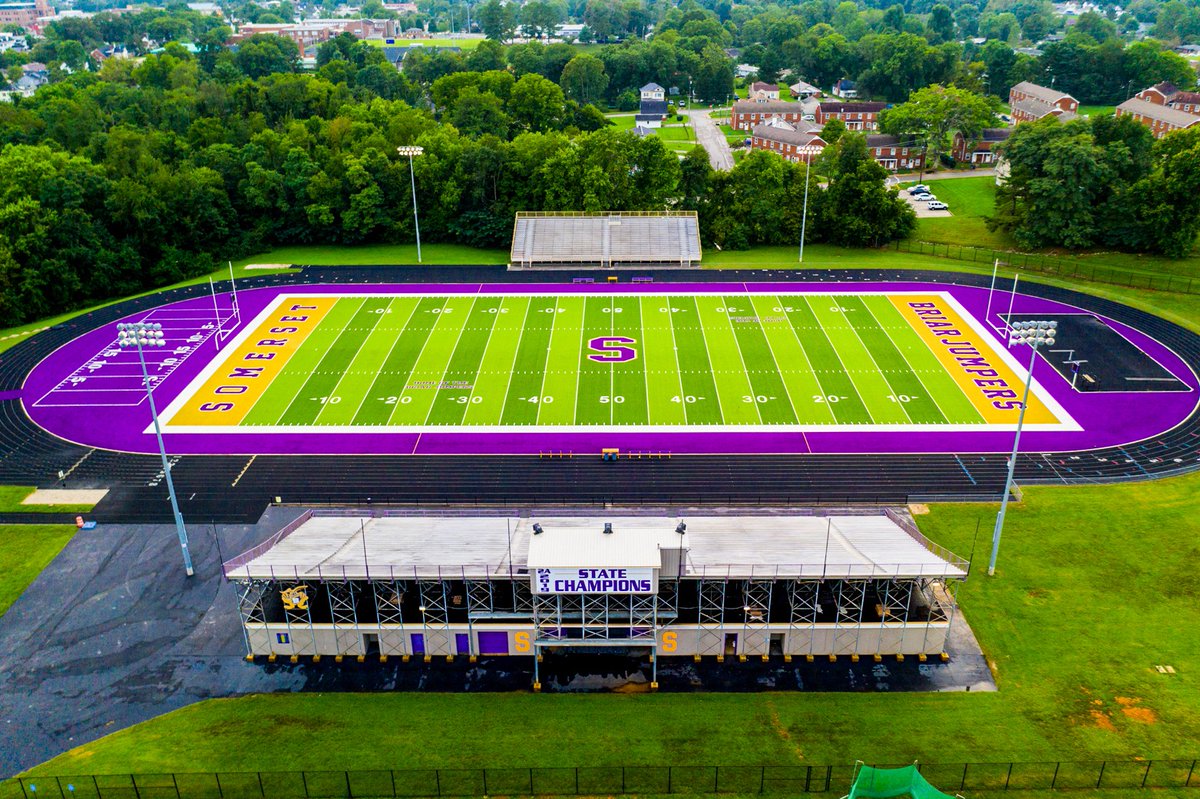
(612, 349)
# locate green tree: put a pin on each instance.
(497, 21)
(941, 24)
(263, 55)
(536, 103)
(931, 114)
(712, 80)
(857, 209)
(583, 78)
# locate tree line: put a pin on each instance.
(1104, 182)
(147, 174)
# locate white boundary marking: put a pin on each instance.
(1067, 423)
(441, 314)
(824, 393)
(545, 362)
(391, 349)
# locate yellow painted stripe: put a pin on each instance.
(247, 371)
(987, 381)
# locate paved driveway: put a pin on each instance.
(711, 138)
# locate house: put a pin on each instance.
(653, 108)
(979, 151)
(893, 153)
(845, 88)
(652, 91)
(1030, 102)
(759, 90)
(744, 70)
(746, 114)
(1169, 95)
(793, 142)
(803, 91)
(1188, 49)
(1161, 119)
(857, 116)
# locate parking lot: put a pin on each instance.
(919, 207)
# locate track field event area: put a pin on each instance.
(677, 368)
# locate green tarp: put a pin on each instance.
(885, 783)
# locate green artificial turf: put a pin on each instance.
(736, 360)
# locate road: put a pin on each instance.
(712, 139)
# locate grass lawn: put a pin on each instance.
(1086, 602)
(11, 496)
(970, 200)
(1097, 110)
(26, 549)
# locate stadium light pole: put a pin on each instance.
(1035, 334)
(146, 334)
(410, 151)
(804, 214)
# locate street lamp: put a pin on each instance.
(147, 334)
(410, 151)
(1035, 334)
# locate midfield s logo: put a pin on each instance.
(612, 349)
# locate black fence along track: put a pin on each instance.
(237, 488)
(599, 781)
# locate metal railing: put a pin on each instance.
(598, 780)
(1067, 268)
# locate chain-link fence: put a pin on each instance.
(597, 781)
(1067, 268)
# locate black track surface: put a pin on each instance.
(235, 489)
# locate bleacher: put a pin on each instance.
(615, 240)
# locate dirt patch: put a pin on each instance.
(1101, 720)
(918, 509)
(781, 730)
(1130, 707)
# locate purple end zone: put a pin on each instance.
(112, 413)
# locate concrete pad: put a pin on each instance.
(64, 496)
(268, 266)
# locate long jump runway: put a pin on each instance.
(682, 368)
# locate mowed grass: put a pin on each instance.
(1096, 585)
(741, 359)
(26, 549)
(11, 502)
(971, 200)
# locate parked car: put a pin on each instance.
(937, 205)
(923, 196)
(918, 188)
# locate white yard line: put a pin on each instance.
(391, 349)
(711, 371)
(513, 366)
(774, 360)
(928, 393)
(350, 363)
(857, 389)
(307, 339)
(482, 357)
(867, 350)
(642, 341)
(449, 358)
(441, 315)
(824, 391)
(546, 360)
(745, 371)
(675, 355)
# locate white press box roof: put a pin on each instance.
(835, 547)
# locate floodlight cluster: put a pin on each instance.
(145, 334)
(1031, 332)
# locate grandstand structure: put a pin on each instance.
(424, 585)
(607, 240)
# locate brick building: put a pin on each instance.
(24, 14)
(797, 143)
(894, 153)
(1161, 119)
(979, 151)
(1168, 95)
(857, 115)
(1030, 102)
(746, 114)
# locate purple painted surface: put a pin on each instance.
(72, 412)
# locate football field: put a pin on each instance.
(766, 361)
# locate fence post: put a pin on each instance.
(762, 779)
(220, 790)
(807, 778)
(261, 792)
(1054, 779)
(96, 785)
(963, 784)
(303, 779)
(1146, 776)
(1100, 778)
(577, 780)
(349, 790)
(133, 779)
(174, 781)
(1008, 777)
(531, 780)
(622, 780)
(668, 779)
(716, 778)
(392, 774)
(485, 790)
(437, 776)
(1188, 782)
